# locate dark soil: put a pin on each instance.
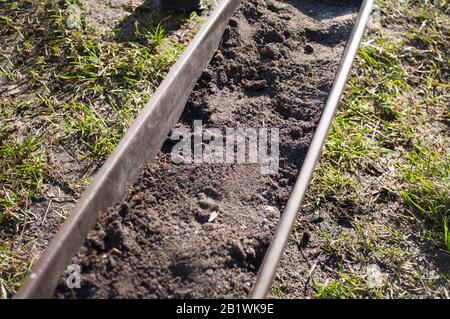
(274, 69)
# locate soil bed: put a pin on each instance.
(274, 69)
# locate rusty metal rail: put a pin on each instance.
(139, 145)
(145, 138)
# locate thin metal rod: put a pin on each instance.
(281, 237)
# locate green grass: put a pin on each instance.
(347, 286)
(21, 175)
(389, 150)
(14, 266)
(87, 87)
(427, 173)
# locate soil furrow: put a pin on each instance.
(274, 69)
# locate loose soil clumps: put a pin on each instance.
(274, 69)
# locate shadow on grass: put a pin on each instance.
(145, 19)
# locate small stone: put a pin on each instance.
(209, 272)
(74, 19)
(374, 276)
(212, 217)
(271, 211)
(115, 251)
